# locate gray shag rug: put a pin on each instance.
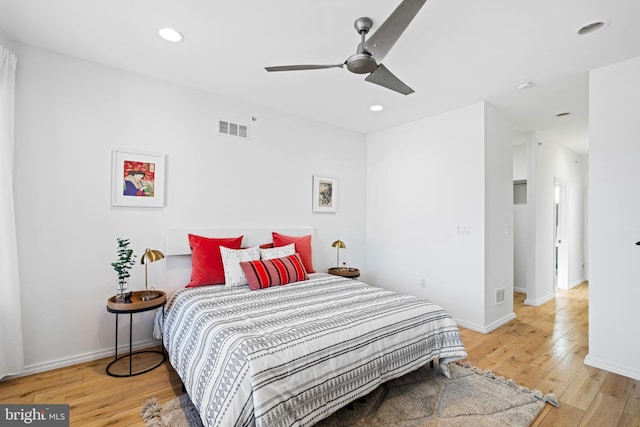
(423, 398)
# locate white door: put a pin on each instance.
(561, 251)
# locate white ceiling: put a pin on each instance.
(454, 53)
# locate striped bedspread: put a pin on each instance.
(292, 355)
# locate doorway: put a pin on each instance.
(520, 236)
(561, 247)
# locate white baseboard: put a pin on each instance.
(577, 282)
(612, 367)
(489, 328)
(571, 285)
(81, 358)
(538, 302)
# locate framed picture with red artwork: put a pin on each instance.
(137, 179)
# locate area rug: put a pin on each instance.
(423, 398)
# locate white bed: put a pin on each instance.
(292, 355)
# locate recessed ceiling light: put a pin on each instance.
(566, 113)
(591, 28)
(376, 108)
(171, 35)
(524, 85)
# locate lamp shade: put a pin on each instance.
(338, 244)
(151, 255)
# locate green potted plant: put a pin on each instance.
(126, 261)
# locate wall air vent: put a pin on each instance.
(500, 294)
(233, 129)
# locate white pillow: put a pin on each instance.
(279, 252)
(231, 259)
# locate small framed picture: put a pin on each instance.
(325, 194)
(137, 179)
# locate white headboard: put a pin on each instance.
(178, 239)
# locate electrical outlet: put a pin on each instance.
(423, 283)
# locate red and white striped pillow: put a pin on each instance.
(273, 272)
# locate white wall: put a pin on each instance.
(70, 115)
(576, 169)
(424, 179)
(614, 212)
(520, 161)
(498, 205)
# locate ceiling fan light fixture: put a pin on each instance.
(376, 108)
(370, 52)
(170, 35)
(591, 28)
(361, 63)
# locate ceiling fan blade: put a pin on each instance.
(381, 42)
(302, 67)
(383, 77)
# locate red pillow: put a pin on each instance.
(273, 272)
(303, 247)
(206, 261)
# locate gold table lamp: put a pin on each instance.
(149, 256)
(338, 244)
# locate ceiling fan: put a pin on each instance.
(374, 49)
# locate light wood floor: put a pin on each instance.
(543, 348)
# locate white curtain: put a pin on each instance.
(11, 346)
